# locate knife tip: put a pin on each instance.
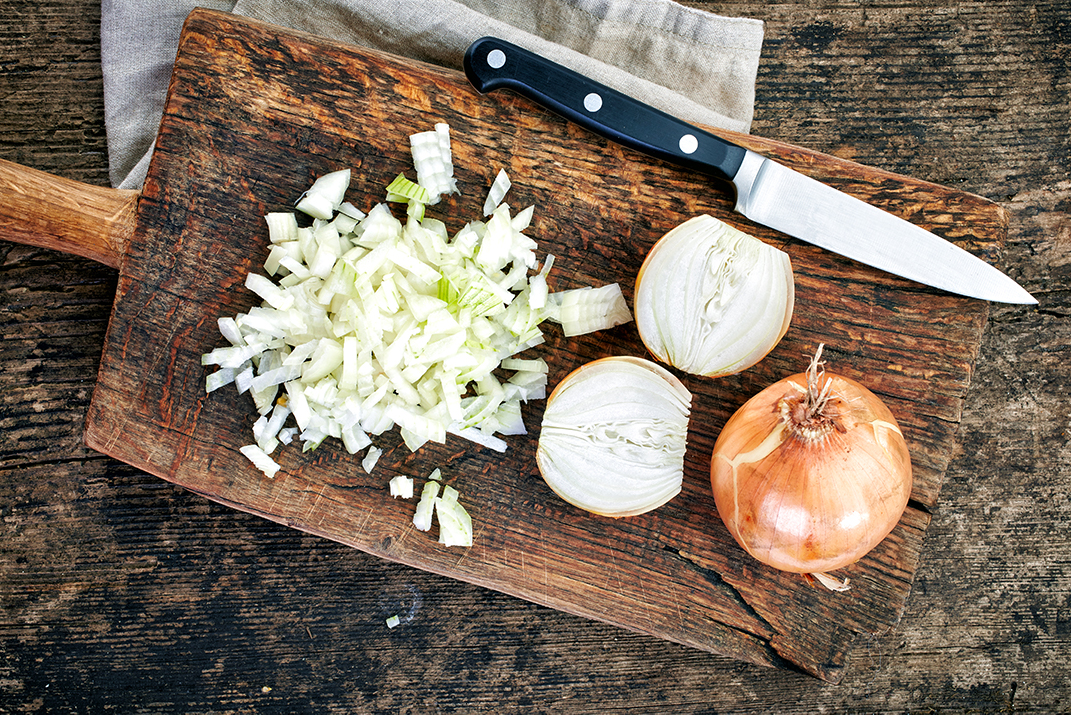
(1018, 296)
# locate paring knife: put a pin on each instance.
(766, 192)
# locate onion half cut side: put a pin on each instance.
(613, 437)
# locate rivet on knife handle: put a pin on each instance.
(492, 64)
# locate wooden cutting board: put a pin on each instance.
(255, 113)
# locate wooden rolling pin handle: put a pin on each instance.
(48, 211)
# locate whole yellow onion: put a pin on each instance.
(811, 473)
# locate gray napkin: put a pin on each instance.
(693, 64)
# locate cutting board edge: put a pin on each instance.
(761, 653)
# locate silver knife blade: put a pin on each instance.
(774, 195)
(768, 193)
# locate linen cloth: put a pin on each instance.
(693, 64)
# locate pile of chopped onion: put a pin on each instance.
(369, 323)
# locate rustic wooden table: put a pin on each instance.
(122, 593)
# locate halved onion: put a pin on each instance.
(712, 300)
(613, 437)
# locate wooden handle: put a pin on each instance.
(40, 209)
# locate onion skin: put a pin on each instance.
(811, 494)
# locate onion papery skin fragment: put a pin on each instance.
(811, 496)
(613, 437)
(712, 300)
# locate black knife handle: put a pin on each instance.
(491, 63)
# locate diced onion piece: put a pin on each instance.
(433, 161)
(243, 380)
(401, 487)
(228, 328)
(260, 460)
(282, 227)
(402, 189)
(455, 524)
(497, 240)
(523, 219)
(497, 192)
(267, 435)
(351, 211)
(232, 357)
(325, 195)
(354, 439)
(269, 292)
(520, 364)
(613, 437)
(585, 310)
(219, 378)
(474, 435)
(425, 508)
(370, 458)
(712, 300)
(393, 622)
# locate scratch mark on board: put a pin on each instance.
(274, 501)
(644, 600)
(315, 504)
(363, 524)
(546, 572)
(614, 572)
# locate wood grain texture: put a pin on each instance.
(64, 215)
(122, 593)
(253, 115)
